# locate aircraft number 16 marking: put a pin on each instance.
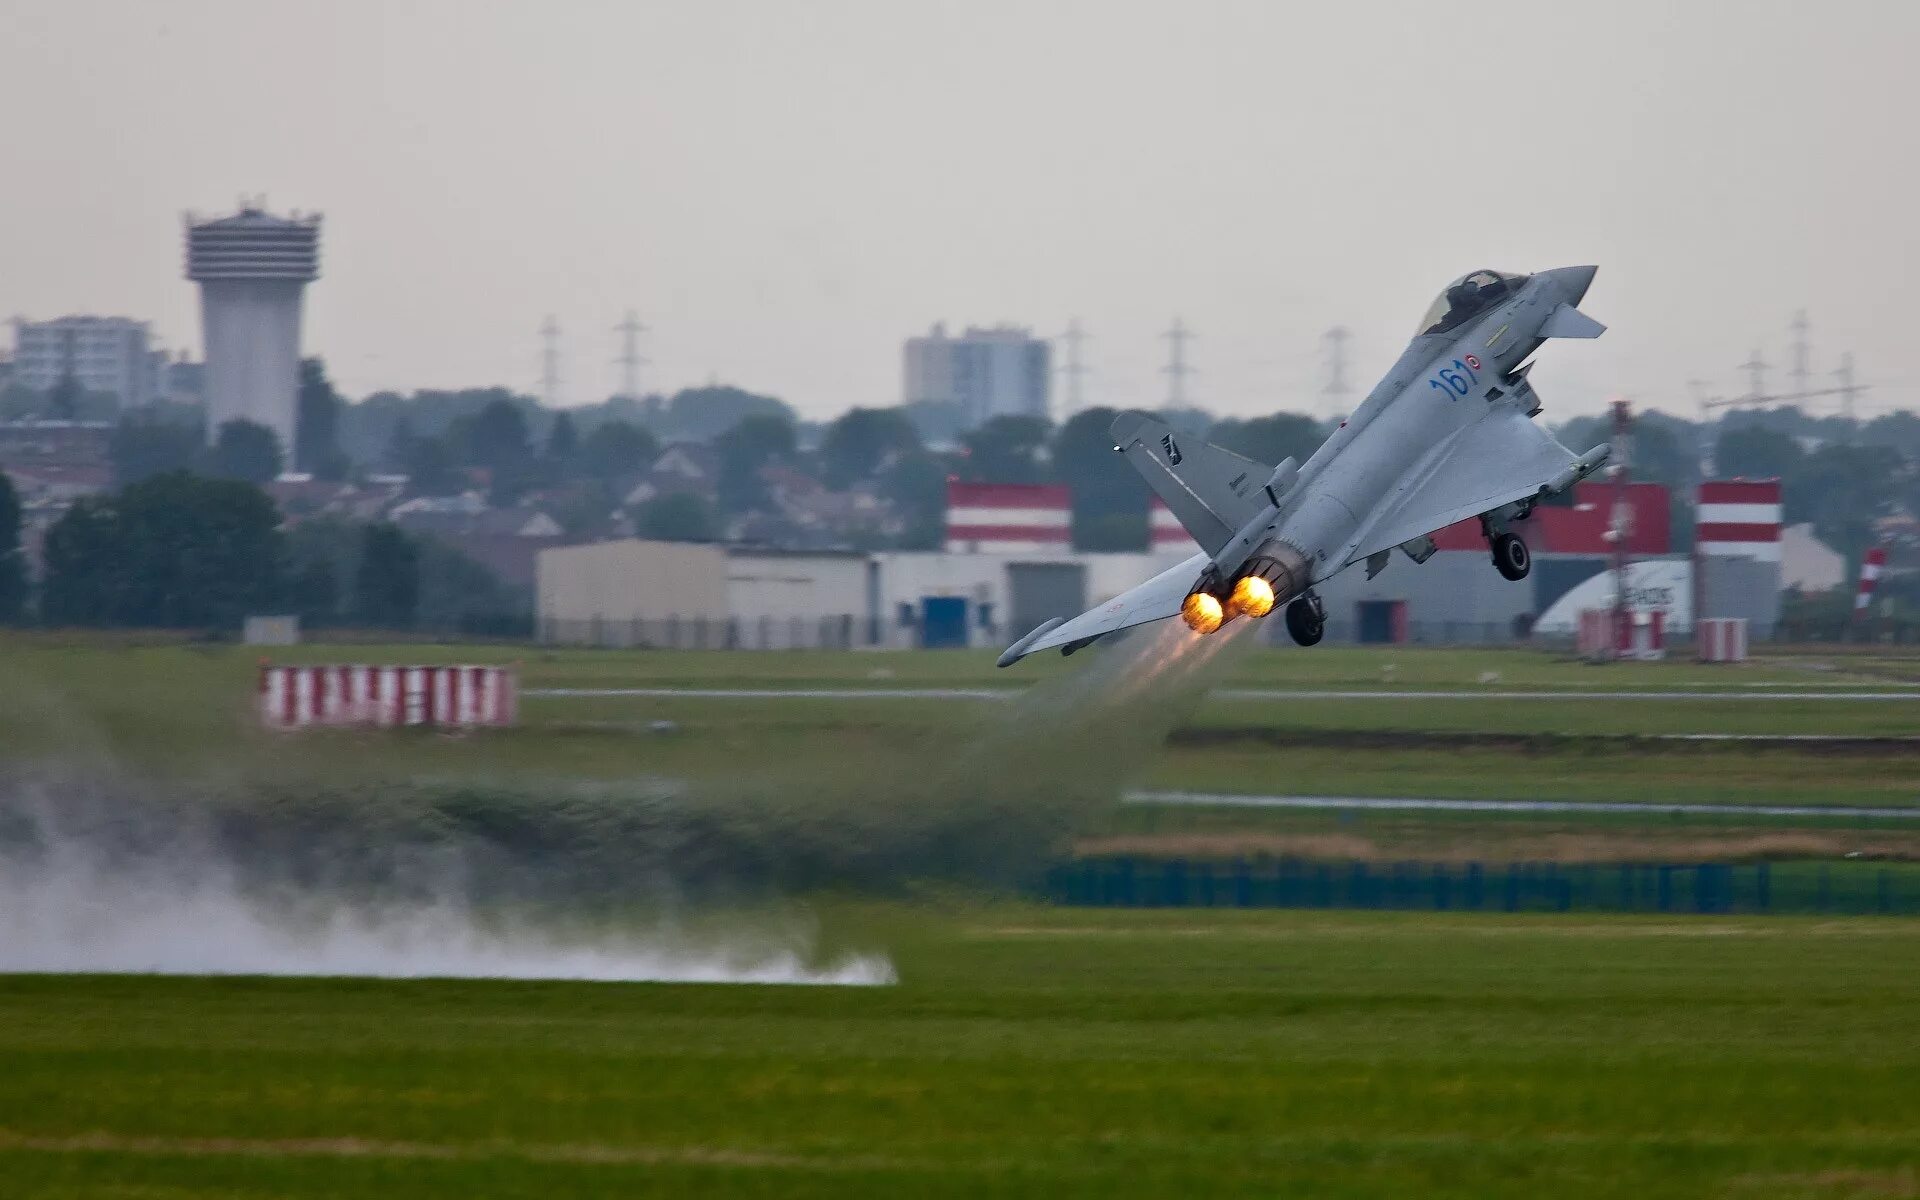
(1452, 383)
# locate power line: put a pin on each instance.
(1756, 370)
(1799, 327)
(550, 363)
(1177, 369)
(1848, 389)
(629, 358)
(1336, 342)
(1073, 369)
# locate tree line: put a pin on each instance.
(1839, 475)
(181, 551)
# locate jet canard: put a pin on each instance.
(1448, 434)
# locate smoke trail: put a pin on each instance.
(531, 877)
(103, 880)
(1005, 802)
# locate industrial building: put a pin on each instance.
(984, 373)
(634, 592)
(107, 355)
(1008, 567)
(253, 269)
(642, 593)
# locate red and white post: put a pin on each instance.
(1871, 565)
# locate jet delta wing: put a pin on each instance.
(1448, 435)
(1498, 460)
(1155, 600)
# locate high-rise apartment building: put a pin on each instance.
(102, 354)
(986, 373)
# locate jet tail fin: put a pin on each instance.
(1213, 492)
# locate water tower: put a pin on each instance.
(252, 268)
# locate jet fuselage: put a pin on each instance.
(1444, 380)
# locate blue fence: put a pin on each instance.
(1479, 887)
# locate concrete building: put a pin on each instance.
(635, 592)
(800, 600)
(625, 593)
(104, 354)
(948, 601)
(253, 269)
(983, 373)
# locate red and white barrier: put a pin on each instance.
(1594, 637)
(297, 697)
(1603, 633)
(1870, 568)
(1721, 639)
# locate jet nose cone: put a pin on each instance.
(1574, 281)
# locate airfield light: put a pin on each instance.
(1202, 612)
(1252, 596)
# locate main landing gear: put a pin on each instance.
(1511, 557)
(1307, 619)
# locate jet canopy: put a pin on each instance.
(1466, 298)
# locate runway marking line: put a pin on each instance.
(350, 1147)
(1011, 693)
(1415, 803)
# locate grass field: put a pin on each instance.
(1023, 1052)
(182, 711)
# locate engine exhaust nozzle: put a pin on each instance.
(1202, 612)
(1281, 567)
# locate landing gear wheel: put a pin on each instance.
(1307, 620)
(1511, 557)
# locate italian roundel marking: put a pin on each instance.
(1473, 362)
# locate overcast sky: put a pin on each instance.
(784, 191)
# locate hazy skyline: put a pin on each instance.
(786, 192)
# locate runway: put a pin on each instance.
(1414, 804)
(1231, 694)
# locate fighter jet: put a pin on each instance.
(1447, 435)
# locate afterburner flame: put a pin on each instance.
(1202, 612)
(1252, 596)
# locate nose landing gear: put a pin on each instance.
(1511, 557)
(1307, 619)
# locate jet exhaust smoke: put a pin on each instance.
(566, 879)
(91, 883)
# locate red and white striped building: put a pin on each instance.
(1739, 518)
(294, 697)
(1009, 518)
